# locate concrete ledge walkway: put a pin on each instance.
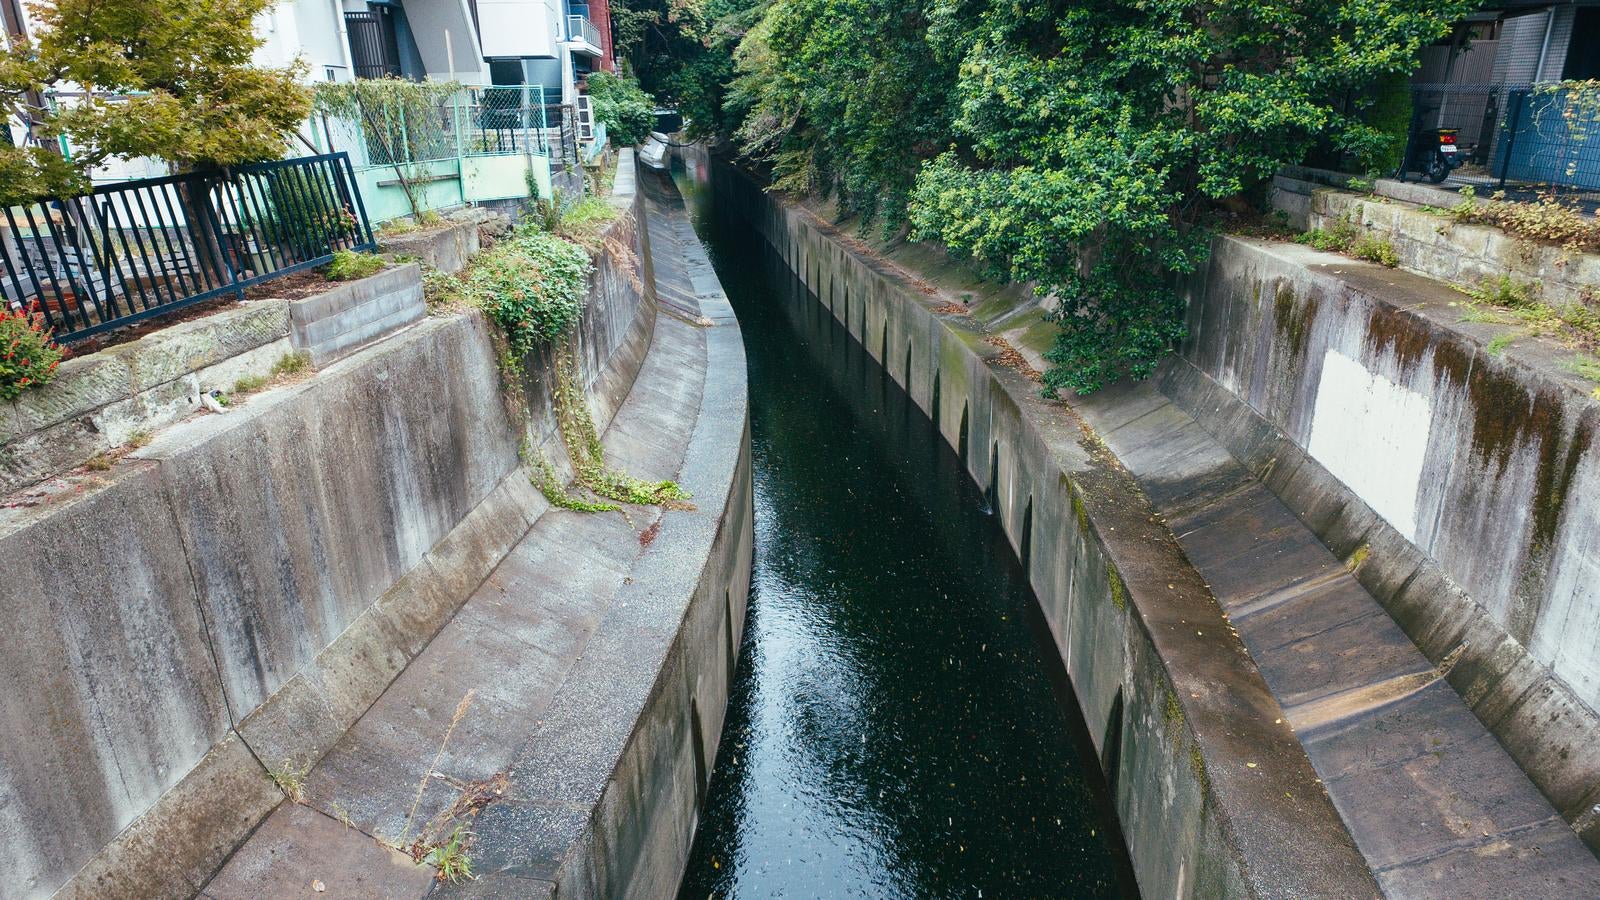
(568, 714)
(1435, 804)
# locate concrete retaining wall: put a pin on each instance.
(99, 401)
(447, 247)
(259, 575)
(1434, 245)
(1460, 484)
(1174, 704)
(349, 316)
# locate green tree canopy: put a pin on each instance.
(627, 111)
(1079, 146)
(170, 79)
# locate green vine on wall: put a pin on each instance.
(582, 440)
(533, 286)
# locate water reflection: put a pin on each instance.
(893, 730)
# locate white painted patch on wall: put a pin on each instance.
(1372, 434)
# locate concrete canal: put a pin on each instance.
(896, 727)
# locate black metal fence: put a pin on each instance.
(139, 249)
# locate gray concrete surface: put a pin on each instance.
(335, 322)
(1215, 794)
(1330, 379)
(233, 596)
(568, 683)
(1436, 805)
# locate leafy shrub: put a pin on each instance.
(349, 265)
(533, 285)
(1338, 237)
(627, 111)
(1376, 249)
(1546, 220)
(28, 357)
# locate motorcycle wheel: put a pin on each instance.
(1438, 170)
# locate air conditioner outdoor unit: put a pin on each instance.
(585, 119)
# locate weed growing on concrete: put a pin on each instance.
(1338, 237)
(441, 291)
(1503, 291)
(291, 364)
(1505, 301)
(100, 462)
(1498, 344)
(349, 265)
(139, 438)
(543, 475)
(1544, 221)
(422, 785)
(1373, 248)
(450, 857)
(587, 455)
(1584, 366)
(291, 779)
(288, 366)
(249, 384)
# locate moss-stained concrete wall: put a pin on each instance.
(235, 594)
(1463, 485)
(1175, 706)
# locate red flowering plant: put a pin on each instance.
(28, 357)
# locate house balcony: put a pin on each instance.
(584, 37)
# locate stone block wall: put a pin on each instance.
(1434, 245)
(100, 400)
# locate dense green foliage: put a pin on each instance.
(1080, 147)
(627, 111)
(189, 93)
(533, 285)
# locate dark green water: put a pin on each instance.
(895, 728)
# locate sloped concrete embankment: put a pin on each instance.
(568, 715)
(1215, 794)
(1459, 484)
(232, 597)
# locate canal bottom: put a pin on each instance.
(899, 725)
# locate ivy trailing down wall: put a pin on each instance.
(1087, 148)
(532, 286)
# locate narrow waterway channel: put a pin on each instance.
(896, 728)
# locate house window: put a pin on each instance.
(1583, 50)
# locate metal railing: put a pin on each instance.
(474, 121)
(371, 44)
(135, 250)
(1551, 137)
(579, 28)
(1519, 138)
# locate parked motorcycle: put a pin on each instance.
(1434, 153)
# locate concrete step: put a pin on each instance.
(1434, 802)
(336, 323)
